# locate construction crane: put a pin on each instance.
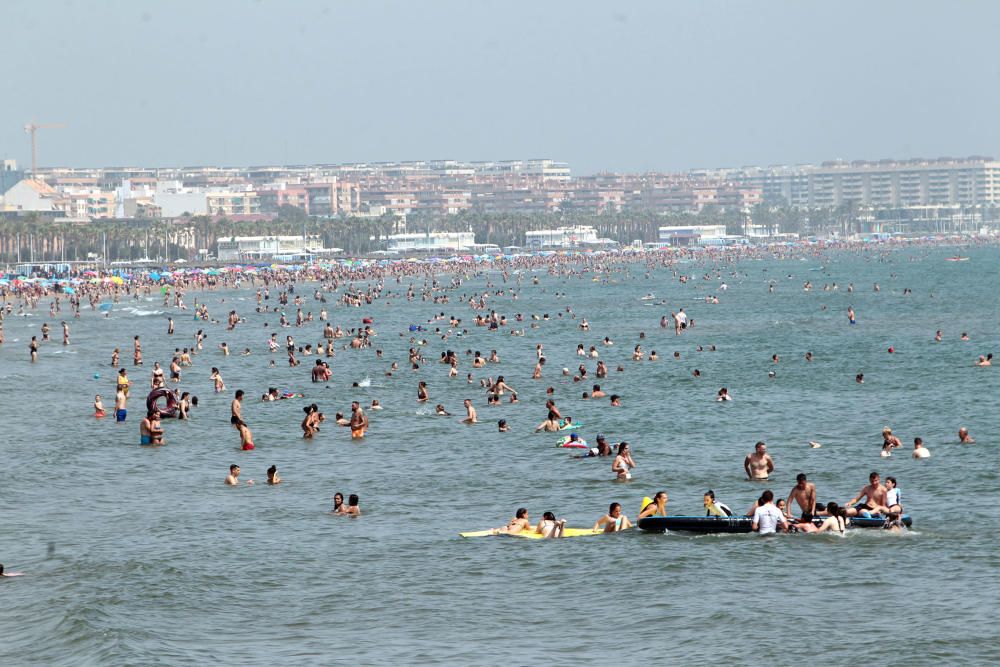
(31, 128)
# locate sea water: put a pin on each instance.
(140, 555)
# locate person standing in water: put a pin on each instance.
(758, 465)
(623, 462)
(359, 421)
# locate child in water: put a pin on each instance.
(98, 407)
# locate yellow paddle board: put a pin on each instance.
(532, 535)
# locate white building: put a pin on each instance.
(561, 237)
(693, 234)
(175, 200)
(430, 242)
(245, 248)
(30, 195)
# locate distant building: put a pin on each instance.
(561, 237)
(30, 195)
(443, 242)
(973, 180)
(693, 235)
(249, 248)
(10, 175)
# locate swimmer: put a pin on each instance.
(353, 507)
(803, 493)
(723, 395)
(150, 432)
(859, 378)
(758, 464)
(440, 411)
(246, 437)
(964, 437)
(272, 475)
(919, 451)
(375, 405)
(549, 526)
(338, 503)
(889, 441)
(233, 479)
(551, 424)
(470, 413)
(893, 496)
(98, 406)
(623, 462)
(502, 426)
(614, 521)
(359, 422)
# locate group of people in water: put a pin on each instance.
(366, 286)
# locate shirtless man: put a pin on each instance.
(233, 478)
(874, 495)
(121, 403)
(613, 521)
(804, 493)
(964, 437)
(470, 413)
(150, 432)
(359, 421)
(758, 465)
(236, 407)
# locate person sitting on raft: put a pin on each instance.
(656, 507)
(713, 507)
(614, 521)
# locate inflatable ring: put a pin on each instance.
(170, 409)
(367, 320)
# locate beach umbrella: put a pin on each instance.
(154, 276)
(117, 280)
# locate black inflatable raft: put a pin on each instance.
(740, 524)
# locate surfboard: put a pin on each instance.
(532, 535)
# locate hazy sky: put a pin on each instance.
(623, 86)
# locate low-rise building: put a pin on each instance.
(249, 248)
(442, 242)
(693, 235)
(561, 237)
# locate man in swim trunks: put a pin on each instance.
(359, 421)
(804, 493)
(874, 495)
(236, 407)
(758, 465)
(121, 401)
(150, 432)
